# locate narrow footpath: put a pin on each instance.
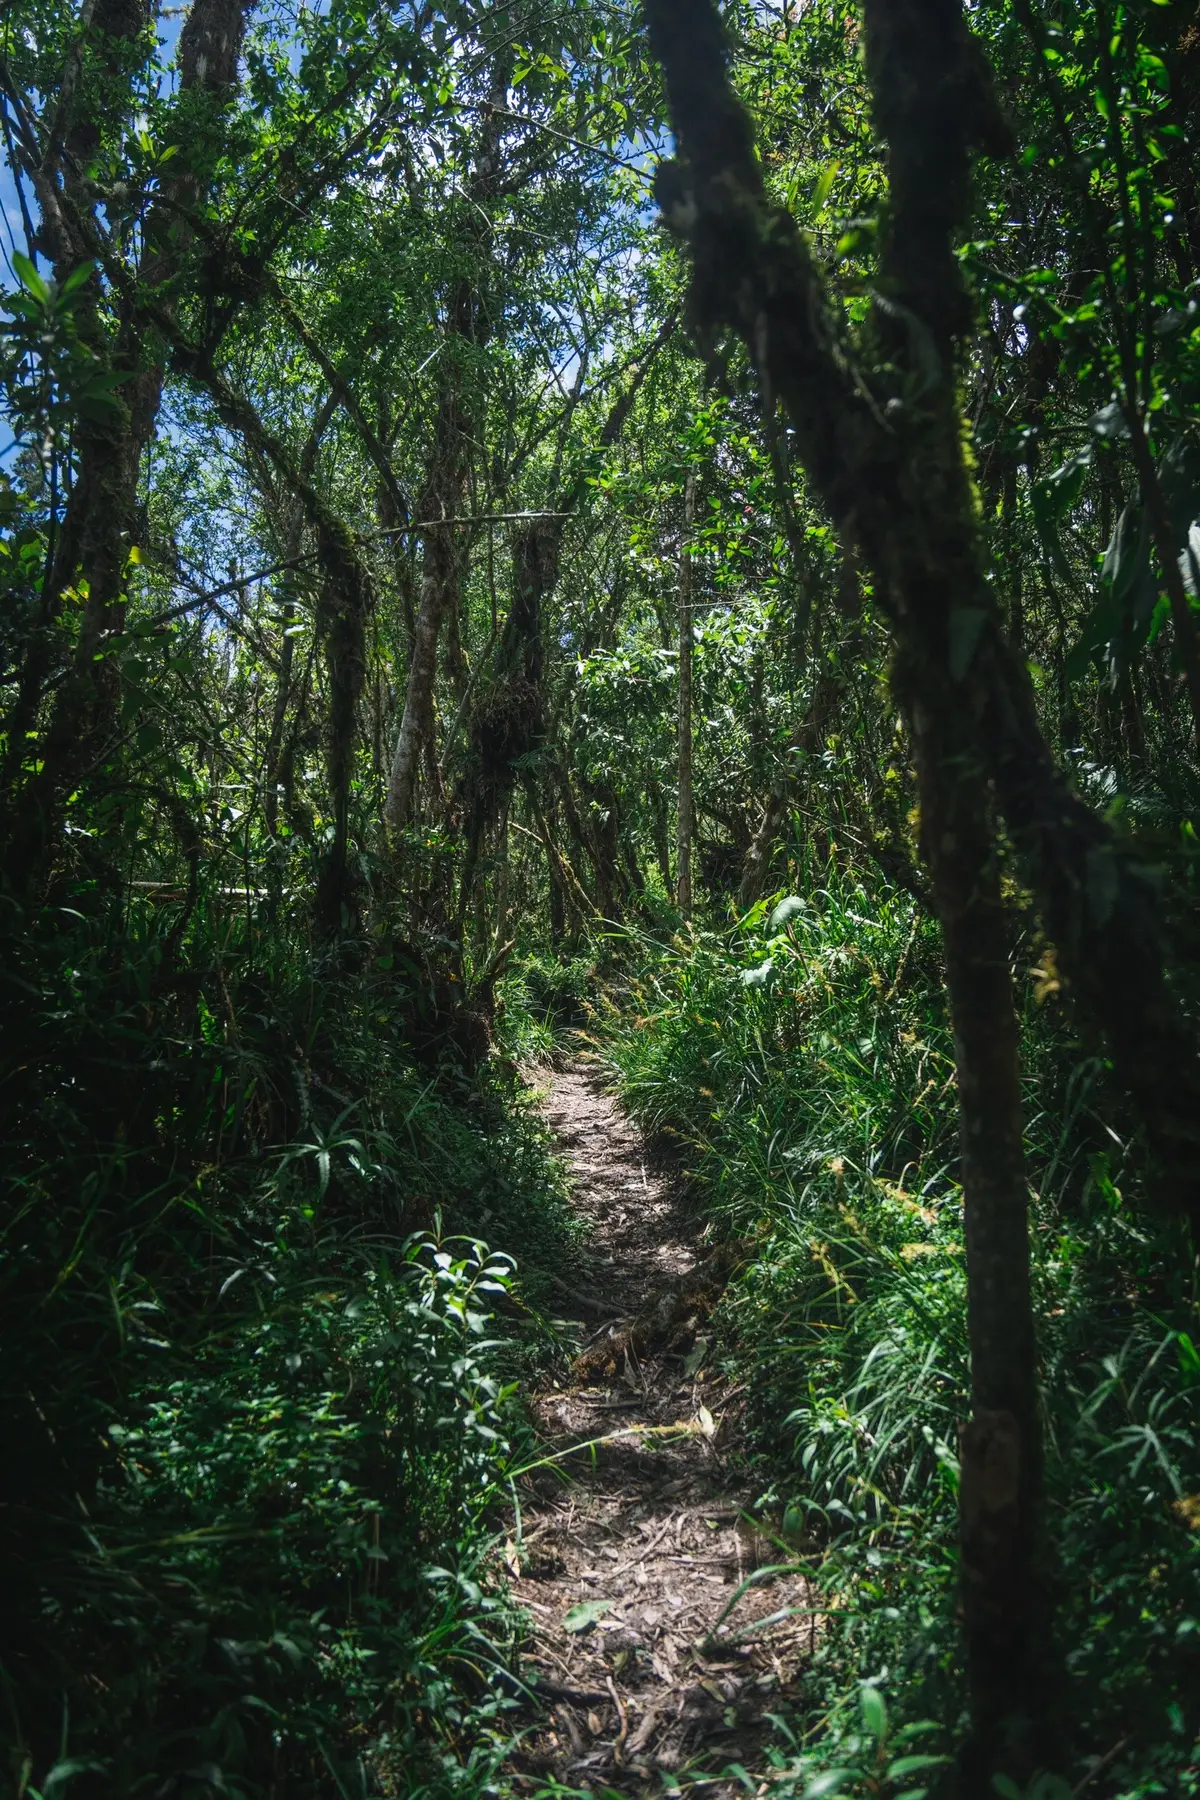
(650, 1656)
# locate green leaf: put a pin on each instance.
(29, 278)
(1063, 488)
(831, 1782)
(62, 1772)
(1098, 630)
(75, 280)
(1129, 577)
(1110, 421)
(759, 977)
(1052, 499)
(912, 1765)
(825, 181)
(789, 908)
(874, 1712)
(583, 1616)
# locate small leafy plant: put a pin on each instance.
(877, 1759)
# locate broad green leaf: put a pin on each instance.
(583, 1616)
(758, 977)
(913, 1765)
(789, 908)
(29, 278)
(833, 1781)
(874, 1712)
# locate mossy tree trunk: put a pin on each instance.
(883, 446)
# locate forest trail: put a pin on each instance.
(630, 1554)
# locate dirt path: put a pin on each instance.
(630, 1554)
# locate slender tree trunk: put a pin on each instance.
(446, 478)
(660, 835)
(685, 806)
(273, 759)
(292, 544)
(1005, 1598)
(439, 583)
(758, 856)
(557, 907)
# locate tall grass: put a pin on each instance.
(802, 1061)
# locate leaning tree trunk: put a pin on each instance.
(859, 431)
(892, 471)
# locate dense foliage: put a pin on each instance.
(387, 406)
(804, 1061)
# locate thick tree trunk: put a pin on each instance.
(685, 812)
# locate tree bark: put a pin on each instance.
(1004, 1594)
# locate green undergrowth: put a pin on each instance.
(802, 1064)
(258, 1369)
(546, 1000)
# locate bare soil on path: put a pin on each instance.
(660, 1636)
